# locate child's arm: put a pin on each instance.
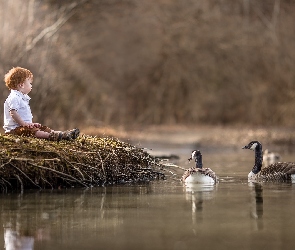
(16, 117)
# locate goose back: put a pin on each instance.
(280, 171)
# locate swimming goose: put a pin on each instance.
(270, 157)
(198, 174)
(280, 171)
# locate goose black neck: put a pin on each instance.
(258, 159)
(198, 160)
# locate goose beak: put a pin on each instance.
(245, 147)
(189, 159)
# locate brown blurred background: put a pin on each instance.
(163, 62)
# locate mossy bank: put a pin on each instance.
(85, 162)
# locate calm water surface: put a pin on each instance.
(160, 215)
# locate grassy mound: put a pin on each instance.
(88, 161)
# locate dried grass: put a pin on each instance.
(88, 161)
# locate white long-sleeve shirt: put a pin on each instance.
(19, 102)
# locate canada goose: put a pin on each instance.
(198, 174)
(280, 171)
(270, 157)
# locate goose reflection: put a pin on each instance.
(256, 211)
(197, 194)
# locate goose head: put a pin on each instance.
(253, 145)
(197, 156)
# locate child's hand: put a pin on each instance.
(37, 125)
(32, 125)
(29, 125)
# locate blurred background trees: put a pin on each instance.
(130, 62)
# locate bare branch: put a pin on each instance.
(51, 30)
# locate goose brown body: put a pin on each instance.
(280, 171)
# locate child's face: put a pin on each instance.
(26, 86)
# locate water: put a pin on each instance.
(160, 215)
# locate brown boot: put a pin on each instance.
(71, 134)
(66, 135)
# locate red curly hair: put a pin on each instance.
(16, 76)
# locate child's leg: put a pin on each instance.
(42, 134)
(46, 133)
(58, 135)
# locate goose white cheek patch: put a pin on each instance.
(193, 154)
(253, 146)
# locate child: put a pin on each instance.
(17, 112)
